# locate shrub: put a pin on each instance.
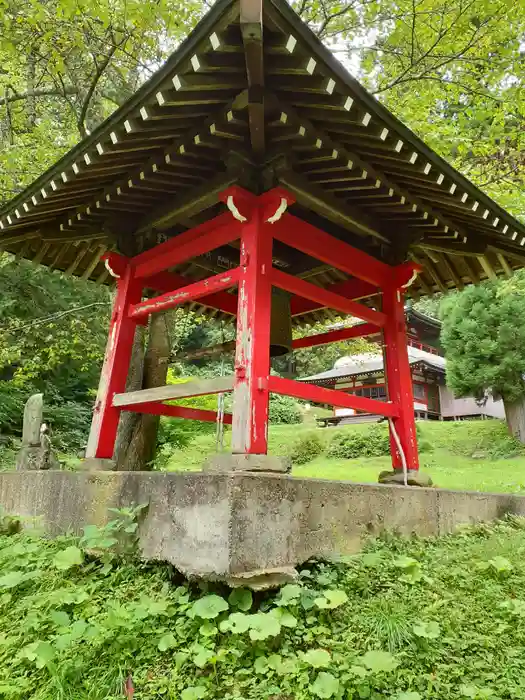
(351, 444)
(305, 448)
(284, 409)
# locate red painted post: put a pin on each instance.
(114, 374)
(252, 353)
(399, 378)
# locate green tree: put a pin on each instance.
(484, 340)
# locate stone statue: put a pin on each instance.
(36, 452)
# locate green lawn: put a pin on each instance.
(472, 455)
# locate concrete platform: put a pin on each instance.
(244, 526)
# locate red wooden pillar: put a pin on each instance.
(115, 368)
(252, 353)
(399, 379)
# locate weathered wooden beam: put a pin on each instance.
(487, 267)
(309, 239)
(188, 204)
(452, 272)
(332, 397)
(191, 243)
(504, 264)
(294, 285)
(251, 20)
(325, 204)
(218, 385)
(191, 292)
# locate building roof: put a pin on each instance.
(252, 97)
(368, 364)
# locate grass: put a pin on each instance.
(407, 619)
(468, 455)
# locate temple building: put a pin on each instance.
(364, 375)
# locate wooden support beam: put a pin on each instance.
(487, 267)
(452, 272)
(168, 281)
(179, 296)
(187, 204)
(251, 21)
(218, 385)
(294, 285)
(309, 239)
(115, 368)
(162, 409)
(360, 330)
(504, 264)
(332, 397)
(399, 381)
(332, 208)
(197, 241)
(252, 353)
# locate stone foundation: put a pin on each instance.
(243, 526)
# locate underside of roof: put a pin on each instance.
(253, 98)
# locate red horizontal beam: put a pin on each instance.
(332, 397)
(351, 289)
(189, 244)
(191, 292)
(309, 239)
(295, 285)
(357, 331)
(168, 281)
(162, 409)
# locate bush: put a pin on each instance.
(284, 409)
(373, 442)
(305, 448)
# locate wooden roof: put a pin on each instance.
(252, 97)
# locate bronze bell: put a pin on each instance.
(281, 324)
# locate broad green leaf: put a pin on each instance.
(68, 558)
(241, 598)
(264, 625)
(318, 658)
(12, 579)
(60, 618)
(289, 593)
(325, 685)
(260, 665)
(285, 617)
(237, 623)
(167, 641)
(202, 657)
(209, 607)
(378, 661)
(406, 563)
(331, 599)
(194, 692)
(208, 629)
(427, 630)
(408, 696)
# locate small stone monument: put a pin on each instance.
(36, 452)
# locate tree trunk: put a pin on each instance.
(140, 435)
(128, 419)
(515, 414)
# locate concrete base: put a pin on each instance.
(226, 463)
(396, 477)
(243, 527)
